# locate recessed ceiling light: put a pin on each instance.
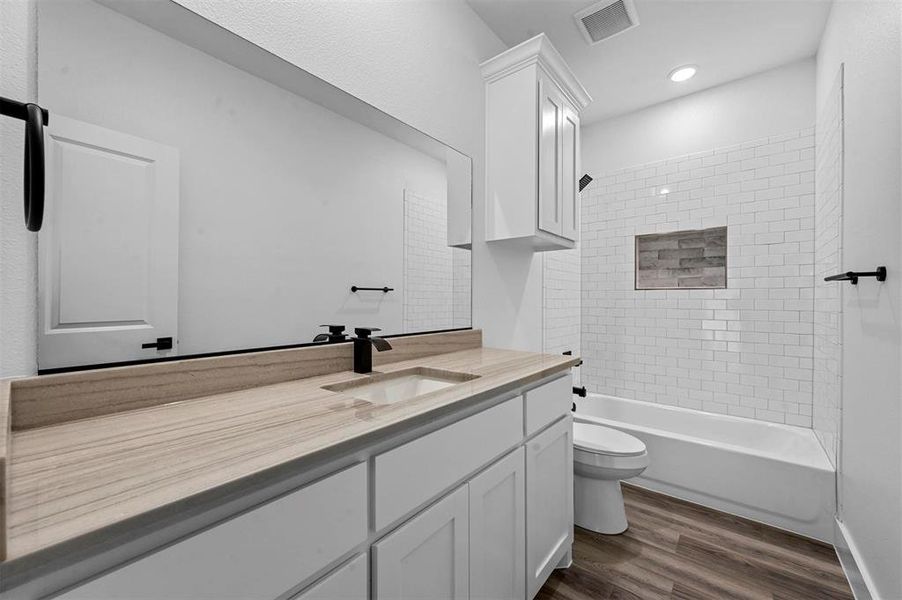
(682, 73)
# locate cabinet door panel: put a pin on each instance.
(550, 116)
(427, 557)
(498, 530)
(549, 501)
(349, 582)
(570, 174)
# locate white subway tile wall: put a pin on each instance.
(746, 350)
(461, 313)
(561, 303)
(436, 277)
(828, 260)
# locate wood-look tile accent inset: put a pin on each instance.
(682, 259)
(678, 550)
(75, 478)
(52, 399)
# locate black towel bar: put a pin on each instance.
(852, 276)
(384, 290)
(35, 118)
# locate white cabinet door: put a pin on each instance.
(498, 530)
(549, 501)
(570, 174)
(349, 582)
(108, 270)
(551, 108)
(426, 558)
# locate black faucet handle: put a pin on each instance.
(365, 332)
(335, 329)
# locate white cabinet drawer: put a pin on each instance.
(548, 403)
(409, 475)
(351, 581)
(257, 555)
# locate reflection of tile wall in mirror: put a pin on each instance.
(682, 259)
(436, 275)
(428, 264)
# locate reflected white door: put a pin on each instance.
(108, 249)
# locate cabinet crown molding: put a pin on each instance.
(538, 50)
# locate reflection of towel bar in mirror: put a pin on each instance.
(384, 290)
(852, 276)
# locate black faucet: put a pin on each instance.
(363, 348)
(336, 334)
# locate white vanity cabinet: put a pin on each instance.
(533, 102)
(480, 507)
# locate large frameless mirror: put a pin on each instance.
(206, 196)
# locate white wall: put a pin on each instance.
(18, 247)
(284, 204)
(865, 38)
(418, 61)
(751, 108)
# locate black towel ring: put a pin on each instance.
(35, 119)
(34, 167)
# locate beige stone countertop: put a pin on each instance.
(72, 478)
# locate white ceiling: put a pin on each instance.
(727, 39)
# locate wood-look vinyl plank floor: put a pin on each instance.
(675, 550)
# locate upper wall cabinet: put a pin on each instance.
(533, 102)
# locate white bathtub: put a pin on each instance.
(772, 473)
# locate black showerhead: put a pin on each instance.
(584, 181)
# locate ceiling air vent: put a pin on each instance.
(605, 19)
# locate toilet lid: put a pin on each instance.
(604, 440)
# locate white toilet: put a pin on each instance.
(602, 457)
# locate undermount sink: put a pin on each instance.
(388, 388)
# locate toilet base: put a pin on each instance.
(598, 505)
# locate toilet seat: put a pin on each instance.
(598, 439)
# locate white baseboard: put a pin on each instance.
(854, 568)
